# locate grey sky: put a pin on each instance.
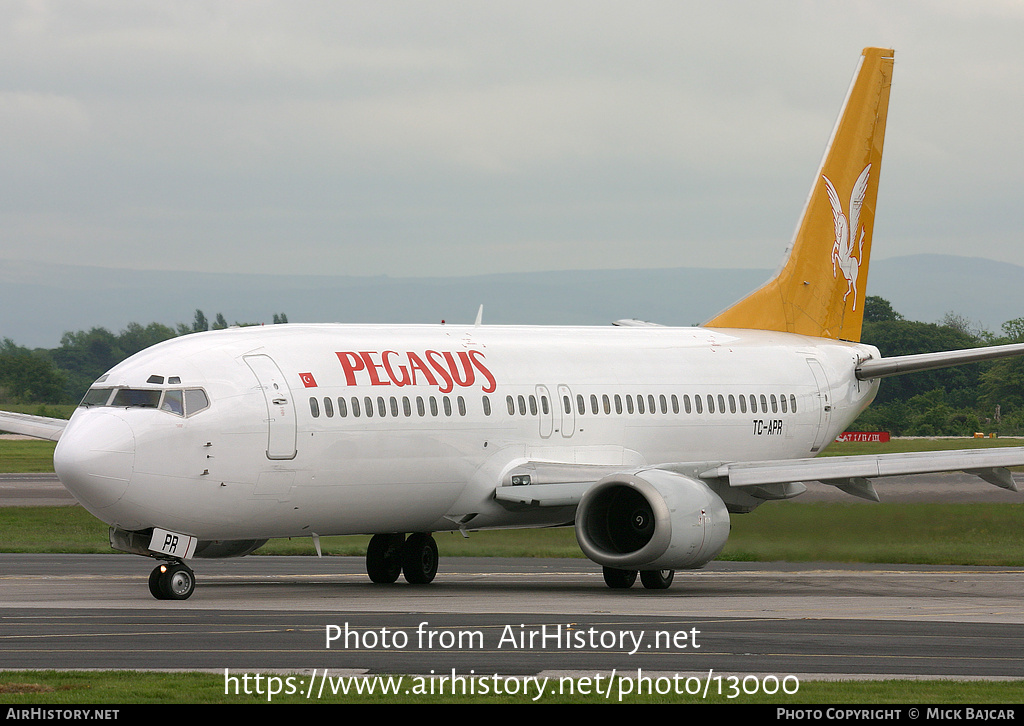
(451, 138)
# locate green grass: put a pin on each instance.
(936, 534)
(117, 687)
(26, 456)
(964, 534)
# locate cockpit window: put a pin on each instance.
(136, 398)
(177, 401)
(195, 400)
(96, 397)
(174, 402)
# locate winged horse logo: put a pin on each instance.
(843, 259)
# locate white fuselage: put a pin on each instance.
(332, 429)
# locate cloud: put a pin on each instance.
(463, 138)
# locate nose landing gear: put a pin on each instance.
(172, 581)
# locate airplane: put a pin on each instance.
(644, 438)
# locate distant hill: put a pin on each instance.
(39, 303)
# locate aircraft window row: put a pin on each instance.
(381, 407)
(179, 401)
(524, 403)
(649, 403)
(533, 405)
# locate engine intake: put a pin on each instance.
(651, 520)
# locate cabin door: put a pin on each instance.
(823, 403)
(564, 403)
(281, 421)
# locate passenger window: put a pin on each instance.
(792, 403)
(533, 405)
(640, 404)
(328, 407)
(629, 404)
(732, 403)
(782, 400)
(607, 404)
(368, 406)
(511, 405)
(406, 406)
(447, 405)
(314, 407)
(342, 408)
(394, 406)
(775, 404)
(462, 405)
(421, 409)
(618, 404)
(686, 403)
(487, 405)
(711, 403)
(355, 406)
(433, 406)
(593, 403)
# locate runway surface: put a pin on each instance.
(480, 614)
(514, 617)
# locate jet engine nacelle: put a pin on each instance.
(651, 520)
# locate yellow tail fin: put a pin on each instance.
(820, 288)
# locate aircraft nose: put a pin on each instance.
(95, 457)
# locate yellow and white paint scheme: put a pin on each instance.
(827, 300)
(644, 438)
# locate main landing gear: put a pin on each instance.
(172, 581)
(391, 555)
(651, 579)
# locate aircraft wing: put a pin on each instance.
(852, 474)
(39, 427)
(557, 484)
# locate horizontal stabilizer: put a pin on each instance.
(881, 367)
(38, 427)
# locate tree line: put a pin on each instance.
(958, 401)
(63, 374)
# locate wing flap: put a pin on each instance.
(39, 427)
(851, 473)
